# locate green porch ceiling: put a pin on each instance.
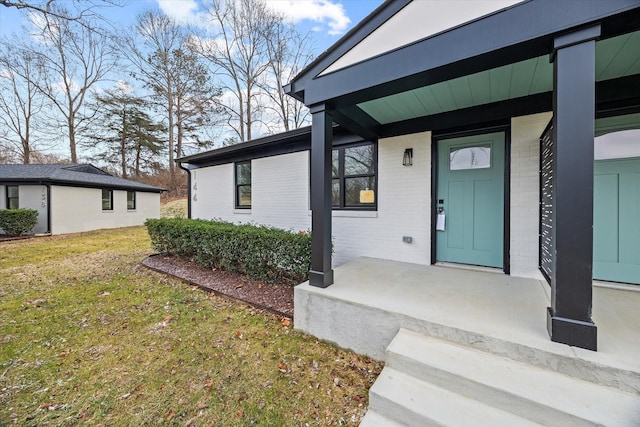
(615, 57)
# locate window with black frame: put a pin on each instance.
(13, 198)
(107, 200)
(354, 183)
(131, 200)
(243, 185)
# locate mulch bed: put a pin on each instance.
(276, 297)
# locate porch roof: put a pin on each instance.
(450, 78)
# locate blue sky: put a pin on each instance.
(327, 20)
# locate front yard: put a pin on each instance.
(88, 336)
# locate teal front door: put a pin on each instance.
(470, 195)
(616, 220)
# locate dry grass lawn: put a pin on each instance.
(176, 208)
(89, 337)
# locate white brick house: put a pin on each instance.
(509, 141)
(75, 198)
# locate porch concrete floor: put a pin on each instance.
(501, 307)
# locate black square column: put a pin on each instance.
(321, 274)
(569, 317)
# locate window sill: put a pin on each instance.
(342, 213)
(242, 211)
(354, 214)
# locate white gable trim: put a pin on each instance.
(416, 21)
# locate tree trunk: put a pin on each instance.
(138, 150)
(123, 144)
(249, 119)
(72, 139)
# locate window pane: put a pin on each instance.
(107, 203)
(335, 192)
(357, 191)
(243, 173)
(358, 160)
(335, 163)
(244, 195)
(470, 158)
(131, 200)
(12, 197)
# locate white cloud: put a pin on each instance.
(322, 11)
(183, 11)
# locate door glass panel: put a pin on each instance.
(478, 157)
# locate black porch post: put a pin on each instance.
(321, 274)
(569, 317)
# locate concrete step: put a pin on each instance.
(374, 419)
(537, 394)
(405, 400)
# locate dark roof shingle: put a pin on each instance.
(71, 174)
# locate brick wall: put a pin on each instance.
(525, 195)
(280, 198)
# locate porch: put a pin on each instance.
(372, 299)
(374, 305)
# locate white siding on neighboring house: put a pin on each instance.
(30, 197)
(35, 197)
(76, 209)
(525, 192)
(3, 201)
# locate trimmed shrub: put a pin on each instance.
(16, 222)
(265, 253)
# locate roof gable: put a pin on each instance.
(510, 35)
(86, 168)
(416, 21)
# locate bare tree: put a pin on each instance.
(149, 49)
(20, 100)
(197, 100)
(180, 85)
(88, 8)
(74, 59)
(237, 50)
(289, 52)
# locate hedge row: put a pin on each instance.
(268, 254)
(15, 222)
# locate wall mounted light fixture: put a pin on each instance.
(407, 158)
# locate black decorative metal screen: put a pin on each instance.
(547, 204)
